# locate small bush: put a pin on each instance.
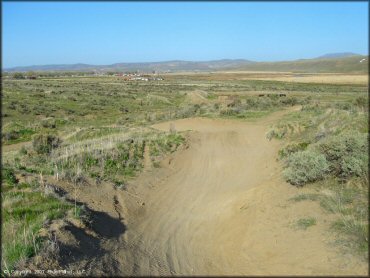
(9, 176)
(277, 132)
(45, 143)
(289, 101)
(292, 148)
(304, 167)
(23, 151)
(346, 154)
(49, 123)
(361, 102)
(18, 75)
(11, 135)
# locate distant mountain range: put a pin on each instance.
(334, 62)
(337, 55)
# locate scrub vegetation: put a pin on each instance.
(95, 129)
(326, 150)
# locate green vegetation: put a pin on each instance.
(256, 107)
(25, 209)
(346, 64)
(349, 201)
(16, 133)
(84, 129)
(45, 143)
(327, 151)
(120, 158)
(305, 223)
(306, 196)
(304, 167)
(346, 153)
(339, 64)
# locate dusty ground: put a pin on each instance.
(217, 207)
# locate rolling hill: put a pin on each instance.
(336, 63)
(351, 64)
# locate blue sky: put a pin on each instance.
(37, 33)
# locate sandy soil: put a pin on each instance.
(217, 207)
(222, 209)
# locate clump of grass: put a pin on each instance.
(357, 233)
(24, 212)
(278, 132)
(350, 201)
(112, 160)
(304, 197)
(305, 223)
(17, 135)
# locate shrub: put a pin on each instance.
(292, 148)
(45, 143)
(23, 151)
(9, 176)
(361, 102)
(12, 105)
(343, 106)
(346, 154)
(18, 75)
(278, 132)
(11, 135)
(289, 101)
(48, 123)
(305, 166)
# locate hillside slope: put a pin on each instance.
(347, 64)
(352, 64)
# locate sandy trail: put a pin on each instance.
(187, 211)
(219, 208)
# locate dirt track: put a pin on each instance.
(216, 207)
(220, 207)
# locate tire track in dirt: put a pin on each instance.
(216, 207)
(219, 211)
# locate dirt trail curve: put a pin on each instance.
(217, 208)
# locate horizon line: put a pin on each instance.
(179, 60)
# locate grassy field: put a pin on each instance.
(98, 129)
